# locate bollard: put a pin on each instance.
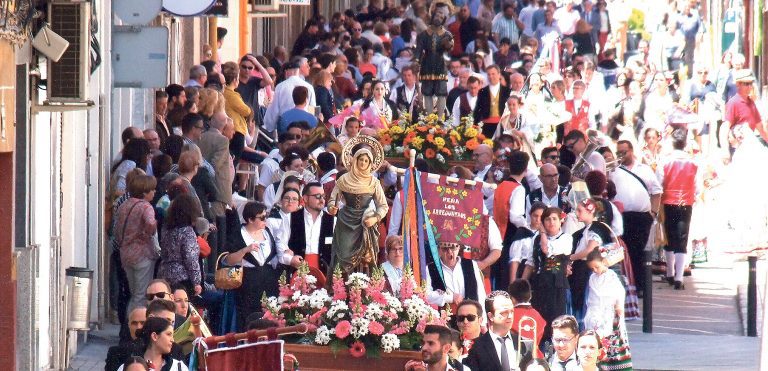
(752, 297)
(648, 293)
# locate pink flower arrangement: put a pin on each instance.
(358, 314)
(342, 329)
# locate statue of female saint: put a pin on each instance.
(356, 236)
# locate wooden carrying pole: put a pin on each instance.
(400, 171)
(297, 329)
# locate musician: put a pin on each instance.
(576, 143)
(639, 190)
(490, 101)
(309, 232)
(497, 349)
(407, 97)
(678, 175)
(461, 278)
(565, 337)
(466, 103)
(520, 291)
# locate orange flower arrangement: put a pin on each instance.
(472, 144)
(433, 139)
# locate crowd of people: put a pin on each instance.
(596, 150)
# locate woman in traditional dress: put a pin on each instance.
(355, 239)
(594, 235)
(378, 112)
(550, 263)
(605, 312)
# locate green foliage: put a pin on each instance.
(411, 341)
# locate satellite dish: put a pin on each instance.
(137, 12)
(187, 8)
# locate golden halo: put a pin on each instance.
(376, 149)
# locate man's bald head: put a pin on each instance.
(483, 156)
(516, 82)
(219, 120)
(549, 177)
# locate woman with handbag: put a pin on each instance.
(180, 253)
(253, 247)
(593, 236)
(135, 231)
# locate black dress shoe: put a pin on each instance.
(671, 280)
(679, 285)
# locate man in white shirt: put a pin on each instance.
(271, 164)
(465, 105)
(308, 232)
(461, 278)
(282, 100)
(639, 190)
(565, 337)
(407, 96)
(454, 67)
(566, 18)
(483, 158)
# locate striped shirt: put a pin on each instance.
(505, 28)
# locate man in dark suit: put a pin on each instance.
(490, 101)
(117, 354)
(496, 350)
(309, 233)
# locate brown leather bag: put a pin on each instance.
(228, 278)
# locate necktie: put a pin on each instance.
(563, 364)
(455, 81)
(504, 355)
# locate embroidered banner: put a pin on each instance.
(454, 209)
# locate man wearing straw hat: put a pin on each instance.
(461, 278)
(741, 109)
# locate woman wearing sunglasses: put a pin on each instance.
(253, 247)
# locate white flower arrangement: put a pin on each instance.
(390, 342)
(338, 310)
(318, 299)
(374, 311)
(359, 327)
(323, 335)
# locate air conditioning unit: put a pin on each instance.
(266, 6)
(68, 78)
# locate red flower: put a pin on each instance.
(357, 349)
(429, 153)
(342, 329)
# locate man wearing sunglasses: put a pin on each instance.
(309, 231)
(461, 278)
(160, 289)
(469, 314)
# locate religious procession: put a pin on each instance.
(434, 185)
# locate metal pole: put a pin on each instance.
(648, 292)
(752, 297)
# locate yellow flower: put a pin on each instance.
(469, 233)
(439, 142)
(454, 133)
(470, 132)
(474, 210)
(477, 223)
(417, 142)
(396, 130)
(469, 219)
(439, 188)
(488, 142)
(455, 191)
(464, 194)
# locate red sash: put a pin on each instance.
(312, 260)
